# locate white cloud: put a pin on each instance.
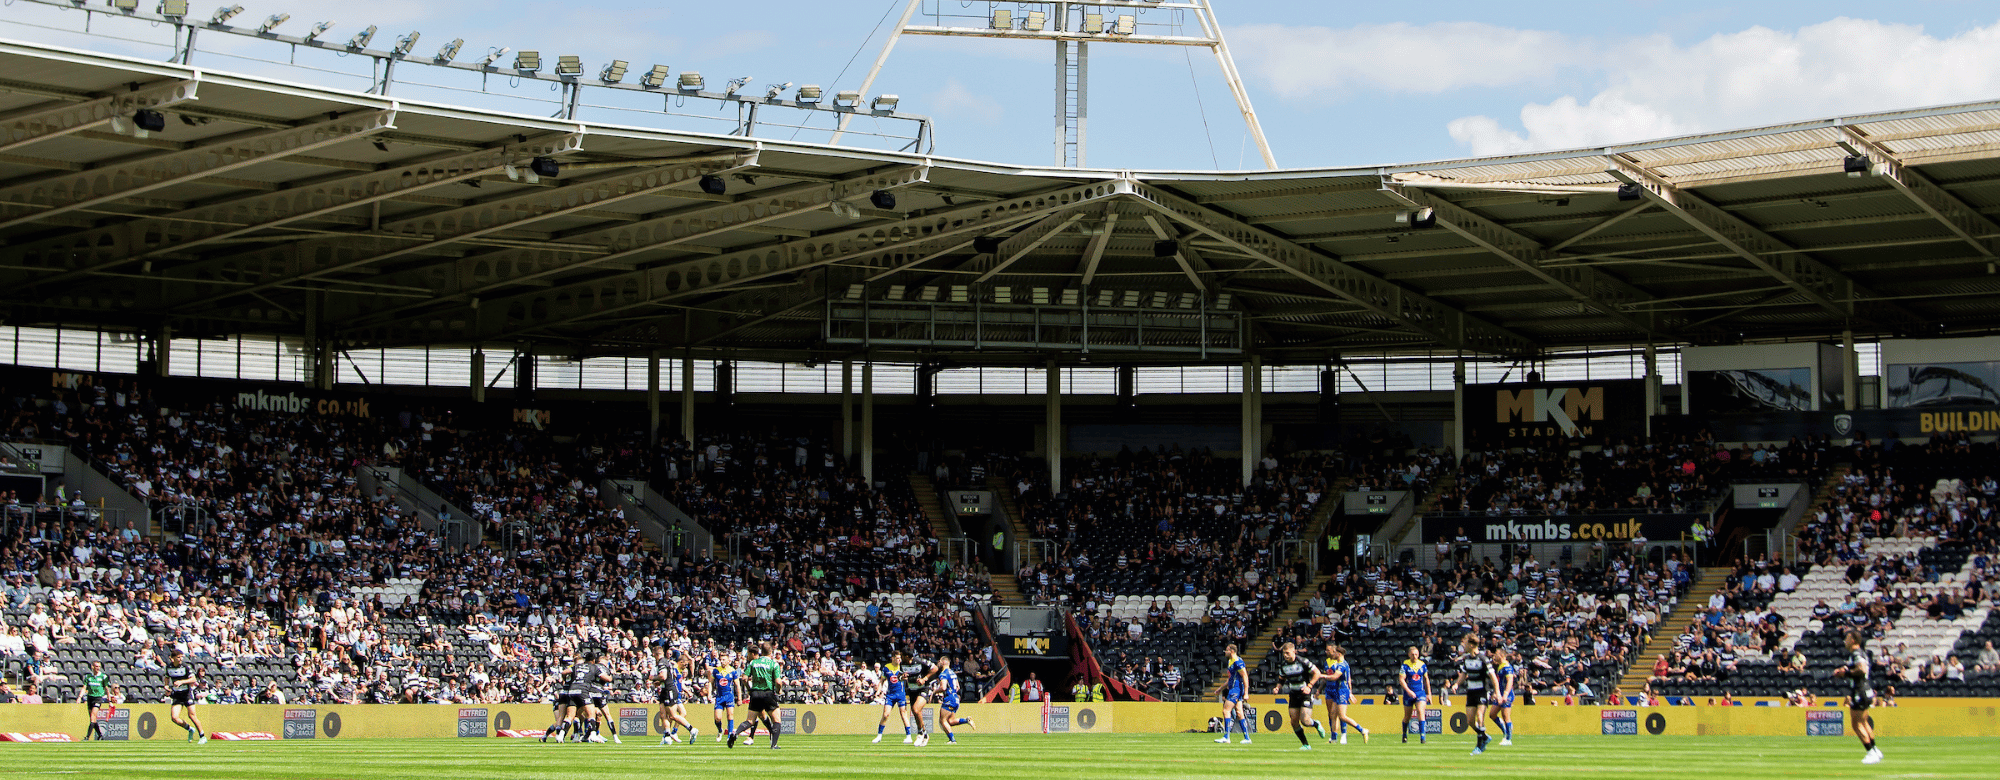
(1326, 64)
(1758, 76)
(955, 101)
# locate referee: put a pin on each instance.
(92, 696)
(765, 676)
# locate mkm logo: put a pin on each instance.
(1565, 408)
(1031, 645)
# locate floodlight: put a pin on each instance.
(771, 91)
(1127, 25)
(1164, 249)
(986, 245)
(895, 293)
(529, 61)
(1187, 300)
(1039, 296)
(1069, 295)
(128, 6)
(1628, 191)
(225, 13)
(735, 84)
(149, 120)
(928, 293)
(569, 65)
(1159, 300)
(1417, 220)
(847, 99)
(494, 56)
(1003, 20)
(319, 30)
(450, 50)
(691, 79)
(361, 39)
(883, 199)
(615, 72)
(1093, 23)
(714, 185)
(174, 8)
(407, 42)
(1222, 302)
(854, 291)
(654, 78)
(268, 25)
(1131, 299)
(810, 93)
(960, 293)
(1855, 165)
(543, 166)
(886, 102)
(1003, 295)
(1036, 21)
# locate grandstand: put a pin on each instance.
(319, 387)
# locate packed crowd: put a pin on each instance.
(283, 568)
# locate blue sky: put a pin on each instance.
(1335, 83)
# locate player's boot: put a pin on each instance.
(1321, 728)
(908, 739)
(1343, 738)
(732, 739)
(968, 724)
(1305, 747)
(1246, 739)
(1874, 756)
(1223, 740)
(877, 739)
(1480, 746)
(204, 741)
(1364, 737)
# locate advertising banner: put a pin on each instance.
(1519, 414)
(1912, 385)
(1482, 529)
(1751, 390)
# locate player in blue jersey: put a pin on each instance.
(894, 697)
(1500, 707)
(1415, 678)
(722, 685)
(1339, 692)
(1234, 688)
(947, 691)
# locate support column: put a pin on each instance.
(1458, 408)
(1652, 387)
(1052, 444)
(478, 375)
(524, 374)
(1253, 417)
(687, 396)
(868, 422)
(653, 397)
(847, 413)
(1850, 371)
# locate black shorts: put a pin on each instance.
(1475, 697)
(1298, 697)
(1861, 701)
(93, 702)
(183, 696)
(569, 700)
(763, 701)
(669, 697)
(597, 700)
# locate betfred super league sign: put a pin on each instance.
(1500, 415)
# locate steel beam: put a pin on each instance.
(1957, 216)
(40, 124)
(1819, 282)
(1582, 283)
(62, 194)
(1447, 325)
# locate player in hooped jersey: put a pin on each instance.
(1233, 690)
(1861, 697)
(1338, 682)
(1415, 678)
(1475, 675)
(1296, 677)
(673, 696)
(1500, 703)
(182, 679)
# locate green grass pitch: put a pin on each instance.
(1013, 756)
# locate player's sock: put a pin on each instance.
(1870, 744)
(732, 725)
(906, 731)
(961, 722)
(881, 727)
(1301, 731)
(1243, 726)
(1343, 727)
(1507, 730)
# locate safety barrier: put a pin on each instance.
(1959, 717)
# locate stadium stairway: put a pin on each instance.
(927, 499)
(1005, 493)
(1260, 645)
(1663, 636)
(1330, 504)
(1007, 591)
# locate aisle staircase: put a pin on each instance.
(1329, 506)
(1007, 591)
(1004, 493)
(927, 499)
(1260, 645)
(1670, 627)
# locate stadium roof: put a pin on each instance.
(269, 207)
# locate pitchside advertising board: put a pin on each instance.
(1518, 414)
(1826, 723)
(472, 721)
(1559, 528)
